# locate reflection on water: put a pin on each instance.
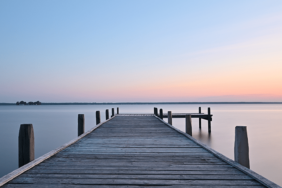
(204, 137)
(56, 125)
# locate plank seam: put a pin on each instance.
(236, 165)
(5, 179)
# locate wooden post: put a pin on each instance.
(188, 124)
(117, 110)
(98, 117)
(80, 126)
(107, 114)
(169, 117)
(200, 119)
(209, 119)
(113, 112)
(161, 114)
(26, 144)
(241, 148)
(156, 111)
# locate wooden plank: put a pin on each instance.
(37, 161)
(134, 151)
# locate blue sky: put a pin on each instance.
(89, 51)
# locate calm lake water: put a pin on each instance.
(56, 125)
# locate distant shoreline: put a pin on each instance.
(147, 103)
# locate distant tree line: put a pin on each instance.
(28, 103)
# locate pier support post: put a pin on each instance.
(241, 148)
(200, 119)
(26, 144)
(80, 127)
(209, 119)
(98, 117)
(188, 124)
(169, 117)
(161, 114)
(117, 110)
(107, 114)
(156, 111)
(113, 112)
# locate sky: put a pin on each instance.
(140, 51)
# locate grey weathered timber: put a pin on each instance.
(156, 111)
(26, 144)
(241, 148)
(107, 114)
(98, 117)
(188, 124)
(169, 117)
(81, 123)
(113, 112)
(117, 110)
(131, 151)
(161, 114)
(200, 119)
(209, 120)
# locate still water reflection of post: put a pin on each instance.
(203, 136)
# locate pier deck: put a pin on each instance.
(136, 151)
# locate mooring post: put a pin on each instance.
(200, 119)
(188, 124)
(209, 119)
(169, 117)
(26, 144)
(107, 114)
(156, 111)
(161, 114)
(80, 126)
(113, 112)
(117, 110)
(98, 117)
(241, 148)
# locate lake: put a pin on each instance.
(55, 125)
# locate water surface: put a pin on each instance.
(55, 125)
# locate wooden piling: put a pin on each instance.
(241, 148)
(81, 123)
(26, 144)
(117, 110)
(113, 112)
(98, 117)
(107, 114)
(209, 119)
(161, 114)
(169, 117)
(188, 125)
(156, 111)
(200, 119)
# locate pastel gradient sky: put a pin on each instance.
(141, 50)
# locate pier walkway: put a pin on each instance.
(134, 151)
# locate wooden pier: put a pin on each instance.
(134, 150)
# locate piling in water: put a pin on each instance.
(81, 123)
(26, 144)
